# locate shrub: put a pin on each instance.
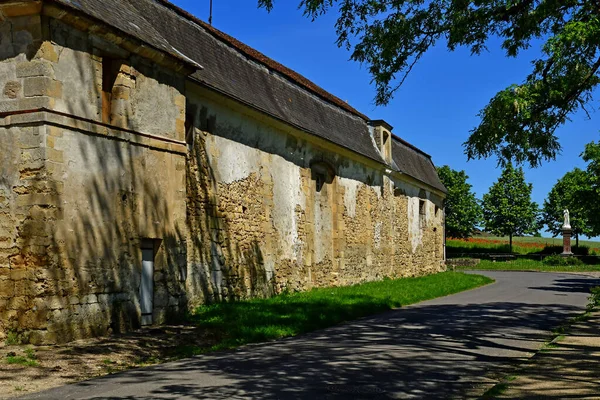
(12, 338)
(562, 261)
(580, 251)
(594, 298)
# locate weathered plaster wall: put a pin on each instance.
(146, 97)
(240, 217)
(258, 225)
(115, 195)
(78, 198)
(27, 203)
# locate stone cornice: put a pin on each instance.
(87, 126)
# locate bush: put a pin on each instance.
(580, 251)
(562, 261)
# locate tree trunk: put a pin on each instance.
(510, 243)
(577, 241)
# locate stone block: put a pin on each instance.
(42, 86)
(39, 337)
(35, 68)
(104, 299)
(55, 155)
(37, 199)
(28, 139)
(54, 302)
(31, 103)
(89, 299)
(37, 86)
(21, 274)
(125, 80)
(55, 131)
(47, 51)
(32, 155)
(7, 288)
(19, 303)
(12, 89)
(33, 319)
(121, 93)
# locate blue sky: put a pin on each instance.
(436, 107)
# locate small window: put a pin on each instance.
(322, 175)
(319, 181)
(422, 213)
(110, 71)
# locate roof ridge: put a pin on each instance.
(265, 60)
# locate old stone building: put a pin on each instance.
(151, 163)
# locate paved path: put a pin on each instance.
(568, 370)
(445, 348)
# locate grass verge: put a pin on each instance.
(530, 265)
(238, 323)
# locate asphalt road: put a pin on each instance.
(450, 347)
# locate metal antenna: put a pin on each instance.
(210, 16)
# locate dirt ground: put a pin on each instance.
(568, 369)
(84, 359)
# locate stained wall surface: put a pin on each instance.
(272, 211)
(79, 195)
(108, 148)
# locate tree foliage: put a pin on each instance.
(519, 123)
(571, 192)
(463, 211)
(591, 154)
(507, 207)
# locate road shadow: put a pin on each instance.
(570, 285)
(431, 350)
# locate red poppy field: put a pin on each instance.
(521, 245)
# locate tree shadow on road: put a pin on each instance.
(424, 351)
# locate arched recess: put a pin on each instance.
(324, 196)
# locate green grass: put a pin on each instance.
(531, 265)
(29, 360)
(258, 320)
(496, 391)
(20, 360)
(12, 338)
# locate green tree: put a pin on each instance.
(591, 155)
(463, 211)
(519, 123)
(571, 192)
(507, 207)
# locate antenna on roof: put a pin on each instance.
(210, 15)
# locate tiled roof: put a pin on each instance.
(413, 162)
(236, 70)
(270, 63)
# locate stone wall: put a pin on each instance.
(258, 225)
(79, 196)
(251, 207)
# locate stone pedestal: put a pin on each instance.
(567, 242)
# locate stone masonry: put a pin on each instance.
(107, 147)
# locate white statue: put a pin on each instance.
(567, 223)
